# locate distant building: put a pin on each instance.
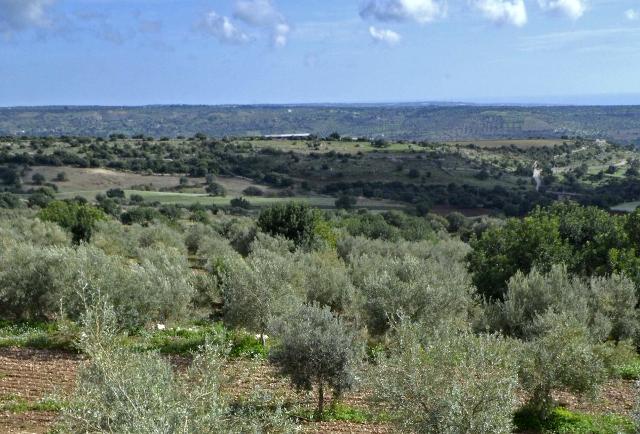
(287, 136)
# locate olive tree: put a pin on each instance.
(562, 356)
(428, 289)
(605, 305)
(316, 349)
(259, 288)
(123, 391)
(447, 382)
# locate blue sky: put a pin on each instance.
(132, 52)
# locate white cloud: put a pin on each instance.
(385, 36)
(17, 15)
(632, 14)
(263, 13)
(421, 11)
(513, 12)
(573, 9)
(222, 28)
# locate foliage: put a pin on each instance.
(41, 283)
(430, 290)
(605, 305)
(447, 382)
(121, 391)
(562, 356)
(79, 219)
(562, 421)
(295, 221)
(259, 289)
(316, 348)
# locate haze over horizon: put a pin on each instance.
(148, 52)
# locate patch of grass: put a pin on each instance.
(185, 341)
(17, 404)
(38, 335)
(563, 421)
(628, 371)
(341, 413)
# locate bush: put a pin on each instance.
(295, 221)
(315, 348)
(216, 189)
(121, 391)
(252, 191)
(423, 289)
(346, 202)
(447, 382)
(240, 202)
(41, 283)
(606, 306)
(562, 356)
(79, 219)
(259, 289)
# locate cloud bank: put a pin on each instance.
(512, 12)
(572, 9)
(421, 11)
(263, 14)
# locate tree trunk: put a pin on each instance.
(320, 401)
(263, 340)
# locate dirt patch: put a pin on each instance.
(31, 375)
(616, 397)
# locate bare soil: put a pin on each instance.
(32, 375)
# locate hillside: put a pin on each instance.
(406, 122)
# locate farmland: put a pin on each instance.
(188, 275)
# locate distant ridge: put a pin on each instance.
(407, 121)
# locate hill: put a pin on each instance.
(401, 122)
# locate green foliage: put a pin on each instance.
(216, 189)
(587, 239)
(562, 356)
(121, 391)
(431, 290)
(346, 202)
(41, 283)
(605, 305)
(446, 382)
(258, 289)
(563, 421)
(79, 219)
(295, 221)
(316, 348)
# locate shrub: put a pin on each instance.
(346, 202)
(326, 282)
(240, 202)
(423, 289)
(295, 221)
(252, 191)
(315, 348)
(606, 306)
(37, 283)
(121, 391)
(258, 289)
(115, 193)
(216, 189)
(79, 219)
(447, 382)
(562, 356)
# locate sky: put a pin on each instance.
(138, 52)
